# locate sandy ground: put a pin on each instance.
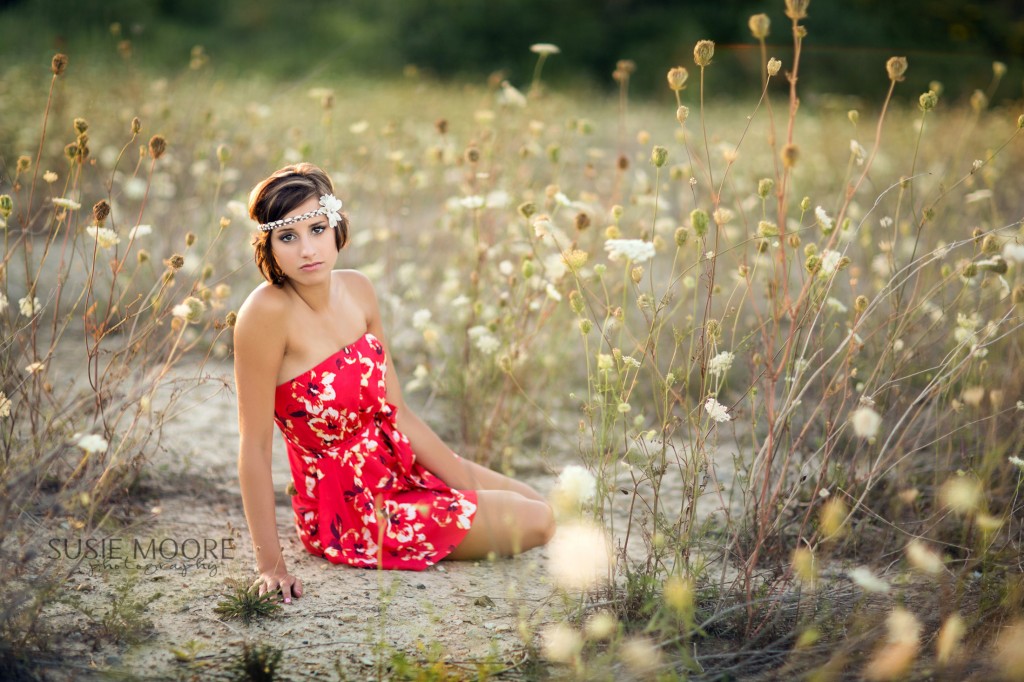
(348, 619)
(349, 623)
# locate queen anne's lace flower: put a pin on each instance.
(92, 443)
(576, 484)
(635, 250)
(69, 204)
(104, 236)
(721, 363)
(716, 410)
(29, 306)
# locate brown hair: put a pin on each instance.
(279, 195)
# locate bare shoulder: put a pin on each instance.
(264, 310)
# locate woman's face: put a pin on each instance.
(306, 250)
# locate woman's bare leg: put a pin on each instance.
(483, 478)
(506, 523)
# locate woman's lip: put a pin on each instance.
(310, 266)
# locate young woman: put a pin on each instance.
(374, 486)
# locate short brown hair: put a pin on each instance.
(279, 195)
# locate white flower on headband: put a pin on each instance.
(332, 208)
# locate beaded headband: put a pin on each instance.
(330, 206)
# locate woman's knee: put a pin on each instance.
(544, 523)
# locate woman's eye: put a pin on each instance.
(287, 237)
(318, 229)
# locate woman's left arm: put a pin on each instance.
(431, 452)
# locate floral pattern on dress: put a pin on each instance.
(362, 498)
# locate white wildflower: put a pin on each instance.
(460, 301)
(486, 342)
(579, 555)
(69, 204)
(716, 410)
(829, 262)
(722, 215)
(104, 236)
(923, 558)
(5, 406)
(92, 443)
(29, 306)
(1017, 462)
(544, 48)
(823, 219)
(836, 305)
(721, 363)
(421, 318)
(867, 580)
(979, 195)
(3, 302)
(630, 361)
(542, 226)
(635, 250)
(560, 643)
(140, 231)
(552, 292)
(34, 367)
(506, 268)
(49, 177)
(866, 422)
(858, 152)
(472, 202)
(885, 222)
(1013, 252)
(575, 485)
(359, 127)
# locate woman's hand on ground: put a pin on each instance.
(283, 582)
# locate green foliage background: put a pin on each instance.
(472, 38)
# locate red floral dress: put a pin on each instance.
(362, 499)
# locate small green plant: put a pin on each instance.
(256, 663)
(124, 620)
(245, 603)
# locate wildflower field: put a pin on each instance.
(763, 352)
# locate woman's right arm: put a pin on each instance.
(260, 339)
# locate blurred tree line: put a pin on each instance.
(848, 42)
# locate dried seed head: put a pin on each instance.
(1020, 122)
(759, 24)
(860, 304)
(81, 125)
(1018, 294)
(6, 206)
(231, 318)
(472, 154)
(681, 235)
(623, 162)
(805, 204)
(582, 221)
(773, 66)
(59, 63)
(71, 151)
(175, 262)
(797, 9)
(576, 302)
(190, 239)
(441, 125)
(896, 67)
(223, 153)
(703, 52)
(990, 244)
(100, 211)
(157, 146)
(853, 115)
(637, 274)
(765, 187)
(677, 78)
(628, 66)
(207, 273)
(527, 209)
(793, 239)
(979, 101)
(136, 125)
(683, 112)
(699, 220)
(928, 100)
(812, 264)
(998, 69)
(143, 256)
(659, 155)
(790, 154)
